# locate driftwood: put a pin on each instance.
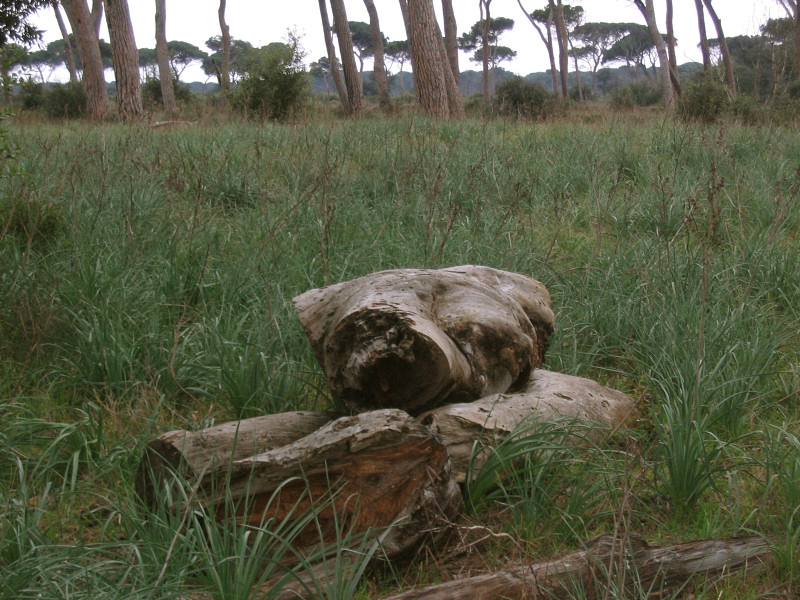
(179, 457)
(547, 396)
(417, 339)
(630, 564)
(375, 470)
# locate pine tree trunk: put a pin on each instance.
(485, 23)
(97, 16)
(125, 56)
(547, 41)
(70, 57)
(673, 58)
(797, 40)
(89, 50)
(225, 68)
(451, 38)
(563, 57)
(648, 12)
(352, 79)
(381, 81)
(701, 27)
(333, 62)
(164, 72)
(454, 100)
(404, 12)
(426, 58)
(727, 60)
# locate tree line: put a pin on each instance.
(431, 50)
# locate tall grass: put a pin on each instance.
(146, 279)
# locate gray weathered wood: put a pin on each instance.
(547, 396)
(417, 339)
(630, 564)
(179, 457)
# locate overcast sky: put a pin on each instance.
(263, 21)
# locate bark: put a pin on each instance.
(183, 457)
(701, 26)
(424, 41)
(548, 396)
(673, 58)
(547, 41)
(89, 50)
(70, 57)
(648, 12)
(125, 57)
(97, 16)
(609, 563)
(336, 73)
(225, 67)
(451, 38)
(797, 41)
(418, 339)
(164, 72)
(381, 81)
(727, 60)
(376, 470)
(455, 102)
(404, 12)
(352, 78)
(563, 57)
(485, 20)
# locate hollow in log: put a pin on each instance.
(417, 339)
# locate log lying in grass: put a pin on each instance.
(182, 456)
(417, 339)
(643, 570)
(375, 470)
(547, 396)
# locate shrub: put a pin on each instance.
(520, 98)
(746, 109)
(704, 99)
(151, 94)
(275, 85)
(31, 94)
(65, 101)
(639, 93)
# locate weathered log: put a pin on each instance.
(417, 339)
(547, 396)
(378, 470)
(179, 457)
(629, 564)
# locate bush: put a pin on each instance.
(65, 101)
(704, 99)
(639, 93)
(746, 109)
(275, 85)
(523, 99)
(31, 94)
(151, 94)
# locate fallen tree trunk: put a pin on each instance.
(630, 564)
(417, 339)
(376, 470)
(179, 457)
(546, 397)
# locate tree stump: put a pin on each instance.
(417, 339)
(546, 397)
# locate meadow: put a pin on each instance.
(146, 279)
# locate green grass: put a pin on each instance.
(146, 279)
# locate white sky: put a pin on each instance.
(263, 21)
